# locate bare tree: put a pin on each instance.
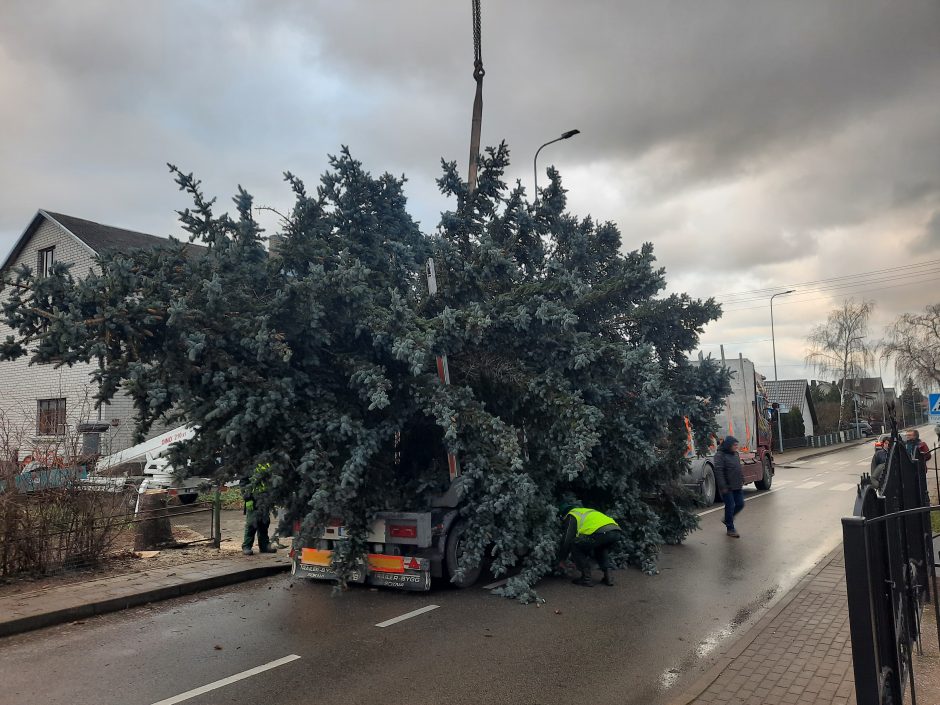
(841, 346)
(912, 342)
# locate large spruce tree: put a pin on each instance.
(569, 364)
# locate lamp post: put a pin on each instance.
(535, 162)
(773, 343)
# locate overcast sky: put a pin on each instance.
(756, 144)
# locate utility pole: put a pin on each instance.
(773, 341)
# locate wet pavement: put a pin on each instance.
(638, 642)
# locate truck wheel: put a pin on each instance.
(708, 488)
(188, 498)
(767, 480)
(453, 555)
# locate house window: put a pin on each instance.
(50, 419)
(45, 260)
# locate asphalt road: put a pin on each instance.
(637, 642)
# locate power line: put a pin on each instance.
(794, 300)
(846, 285)
(773, 289)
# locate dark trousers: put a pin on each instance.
(596, 546)
(256, 522)
(734, 503)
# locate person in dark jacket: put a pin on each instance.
(916, 448)
(730, 480)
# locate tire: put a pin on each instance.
(709, 488)
(452, 554)
(767, 480)
(187, 498)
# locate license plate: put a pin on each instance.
(322, 572)
(403, 581)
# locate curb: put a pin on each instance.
(835, 449)
(116, 604)
(700, 685)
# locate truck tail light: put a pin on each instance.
(403, 532)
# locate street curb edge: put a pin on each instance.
(116, 604)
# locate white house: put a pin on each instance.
(48, 412)
(794, 393)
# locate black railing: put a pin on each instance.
(890, 569)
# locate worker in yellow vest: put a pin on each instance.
(589, 534)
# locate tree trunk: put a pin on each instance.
(153, 529)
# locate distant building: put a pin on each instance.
(48, 412)
(869, 392)
(794, 394)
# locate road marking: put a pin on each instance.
(809, 485)
(746, 499)
(407, 615)
(227, 681)
(866, 461)
(843, 486)
(781, 483)
(498, 583)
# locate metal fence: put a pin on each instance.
(50, 531)
(890, 569)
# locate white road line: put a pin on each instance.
(867, 461)
(407, 615)
(747, 498)
(843, 486)
(227, 681)
(808, 485)
(781, 483)
(498, 583)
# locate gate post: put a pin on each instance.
(861, 614)
(217, 518)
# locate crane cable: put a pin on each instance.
(477, 120)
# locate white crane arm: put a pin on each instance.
(154, 447)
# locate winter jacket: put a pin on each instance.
(918, 450)
(728, 473)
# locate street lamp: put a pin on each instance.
(773, 343)
(535, 162)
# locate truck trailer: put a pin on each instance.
(746, 416)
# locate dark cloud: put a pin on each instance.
(932, 233)
(754, 143)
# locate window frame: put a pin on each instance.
(52, 417)
(45, 258)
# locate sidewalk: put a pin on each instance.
(794, 454)
(799, 653)
(26, 611)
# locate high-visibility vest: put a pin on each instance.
(590, 520)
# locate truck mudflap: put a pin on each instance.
(402, 572)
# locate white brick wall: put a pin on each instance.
(22, 384)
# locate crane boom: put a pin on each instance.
(154, 447)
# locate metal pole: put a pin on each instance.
(535, 159)
(217, 518)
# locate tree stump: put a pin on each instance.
(153, 529)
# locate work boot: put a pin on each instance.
(247, 552)
(608, 578)
(584, 581)
(733, 534)
(267, 549)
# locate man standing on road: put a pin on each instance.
(936, 430)
(730, 480)
(589, 534)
